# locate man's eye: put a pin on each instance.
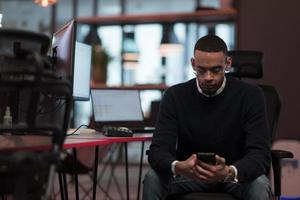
(201, 70)
(216, 69)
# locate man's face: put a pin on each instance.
(209, 68)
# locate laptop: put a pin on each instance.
(118, 108)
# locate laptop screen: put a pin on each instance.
(116, 105)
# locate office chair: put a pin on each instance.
(248, 64)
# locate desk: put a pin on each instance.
(12, 143)
(77, 142)
(37, 143)
(97, 140)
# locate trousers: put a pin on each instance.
(157, 187)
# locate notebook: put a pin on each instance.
(118, 107)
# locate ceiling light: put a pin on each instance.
(92, 38)
(169, 43)
(45, 3)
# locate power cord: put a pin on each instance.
(82, 125)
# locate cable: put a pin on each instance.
(56, 108)
(78, 129)
(49, 99)
(44, 104)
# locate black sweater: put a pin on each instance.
(232, 124)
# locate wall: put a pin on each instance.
(272, 26)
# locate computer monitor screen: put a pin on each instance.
(72, 60)
(82, 71)
(116, 105)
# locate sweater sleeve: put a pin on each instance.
(257, 138)
(163, 147)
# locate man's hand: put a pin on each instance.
(211, 173)
(186, 167)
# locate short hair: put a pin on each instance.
(211, 43)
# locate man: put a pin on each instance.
(211, 113)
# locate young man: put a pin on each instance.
(210, 113)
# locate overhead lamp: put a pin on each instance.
(45, 3)
(169, 43)
(92, 38)
(130, 51)
(100, 57)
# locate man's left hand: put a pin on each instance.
(211, 173)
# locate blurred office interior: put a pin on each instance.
(267, 26)
(270, 26)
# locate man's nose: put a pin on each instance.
(208, 76)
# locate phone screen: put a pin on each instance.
(207, 157)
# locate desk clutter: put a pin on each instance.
(112, 131)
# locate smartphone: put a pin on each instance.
(207, 157)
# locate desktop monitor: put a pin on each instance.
(72, 60)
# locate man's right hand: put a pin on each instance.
(186, 167)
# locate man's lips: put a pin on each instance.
(208, 87)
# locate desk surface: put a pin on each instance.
(98, 137)
(24, 142)
(76, 142)
(30, 142)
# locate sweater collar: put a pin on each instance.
(216, 93)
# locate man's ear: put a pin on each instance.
(228, 63)
(193, 62)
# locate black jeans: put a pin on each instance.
(158, 187)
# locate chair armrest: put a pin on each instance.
(277, 155)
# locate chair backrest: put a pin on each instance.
(249, 64)
(273, 107)
(246, 64)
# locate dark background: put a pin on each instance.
(273, 27)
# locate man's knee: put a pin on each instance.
(154, 185)
(151, 177)
(259, 189)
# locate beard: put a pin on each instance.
(210, 88)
